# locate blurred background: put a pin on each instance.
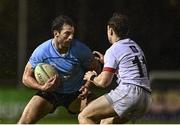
(155, 26)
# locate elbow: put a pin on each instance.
(24, 80)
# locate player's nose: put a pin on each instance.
(70, 37)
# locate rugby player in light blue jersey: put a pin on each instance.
(71, 58)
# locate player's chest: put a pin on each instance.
(66, 65)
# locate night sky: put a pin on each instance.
(155, 26)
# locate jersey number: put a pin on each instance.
(139, 64)
(139, 61)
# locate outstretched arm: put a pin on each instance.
(96, 66)
(102, 80)
(99, 56)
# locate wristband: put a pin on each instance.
(92, 77)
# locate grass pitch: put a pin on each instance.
(13, 101)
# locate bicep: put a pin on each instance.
(28, 71)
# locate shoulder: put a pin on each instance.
(121, 48)
(124, 46)
(42, 48)
(81, 50)
(79, 44)
(40, 53)
(80, 47)
(45, 44)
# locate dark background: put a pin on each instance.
(155, 26)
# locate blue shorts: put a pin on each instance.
(58, 99)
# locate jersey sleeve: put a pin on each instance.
(86, 57)
(110, 61)
(36, 57)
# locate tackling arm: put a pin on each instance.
(95, 65)
(102, 80)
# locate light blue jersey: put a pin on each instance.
(71, 67)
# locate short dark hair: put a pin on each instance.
(119, 23)
(59, 21)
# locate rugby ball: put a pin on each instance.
(43, 72)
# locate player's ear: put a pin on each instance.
(55, 33)
(111, 31)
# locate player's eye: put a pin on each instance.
(66, 34)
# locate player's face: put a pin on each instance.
(65, 36)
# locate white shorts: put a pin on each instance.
(129, 101)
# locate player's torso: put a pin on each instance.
(68, 66)
(131, 62)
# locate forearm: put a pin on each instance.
(88, 84)
(100, 81)
(95, 66)
(31, 83)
